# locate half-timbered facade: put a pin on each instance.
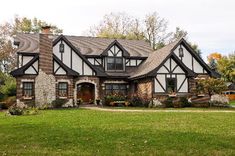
(73, 67)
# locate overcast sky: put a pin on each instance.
(209, 23)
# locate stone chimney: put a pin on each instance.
(45, 54)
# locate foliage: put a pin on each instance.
(226, 67)
(8, 85)
(8, 102)
(8, 30)
(118, 25)
(114, 97)
(156, 30)
(211, 86)
(58, 103)
(213, 58)
(184, 102)
(15, 110)
(168, 102)
(136, 101)
(121, 25)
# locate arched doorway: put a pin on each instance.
(86, 92)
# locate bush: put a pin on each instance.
(168, 102)
(184, 102)
(14, 110)
(136, 101)
(8, 101)
(9, 85)
(58, 103)
(112, 98)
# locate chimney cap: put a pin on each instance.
(46, 29)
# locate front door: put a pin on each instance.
(85, 91)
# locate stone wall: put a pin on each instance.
(145, 88)
(45, 91)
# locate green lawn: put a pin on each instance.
(90, 132)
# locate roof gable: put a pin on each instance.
(116, 43)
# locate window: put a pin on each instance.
(171, 85)
(28, 89)
(120, 89)
(114, 63)
(63, 89)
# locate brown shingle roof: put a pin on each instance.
(154, 60)
(86, 45)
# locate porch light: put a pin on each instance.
(181, 52)
(61, 47)
(127, 86)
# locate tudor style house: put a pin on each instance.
(72, 67)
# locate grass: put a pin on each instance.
(90, 132)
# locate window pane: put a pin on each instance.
(119, 60)
(115, 86)
(119, 66)
(111, 66)
(63, 89)
(27, 89)
(108, 86)
(110, 60)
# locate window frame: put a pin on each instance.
(167, 85)
(24, 89)
(115, 63)
(63, 89)
(112, 89)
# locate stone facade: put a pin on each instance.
(45, 91)
(145, 88)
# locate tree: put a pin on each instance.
(156, 30)
(226, 67)
(7, 30)
(213, 58)
(118, 25)
(211, 86)
(178, 34)
(121, 25)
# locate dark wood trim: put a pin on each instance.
(182, 84)
(160, 84)
(115, 42)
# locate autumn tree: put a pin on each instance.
(226, 67)
(213, 58)
(7, 30)
(211, 86)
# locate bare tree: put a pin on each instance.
(118, 25)
(156, 30)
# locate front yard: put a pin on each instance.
(92, 132)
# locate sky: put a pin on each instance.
(209, 23)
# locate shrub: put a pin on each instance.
(112, 98)
(184, 102)
(136, 101)
(9, 85)
(168, 102)
(58, 103)
(8, 101)
(14, 110)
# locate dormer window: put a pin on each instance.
(114, 63)
(181, 52)
(61, 47)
